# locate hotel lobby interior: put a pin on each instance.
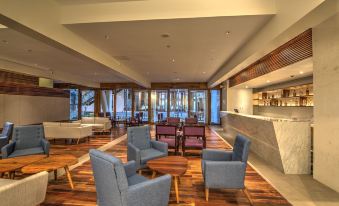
(169, 102)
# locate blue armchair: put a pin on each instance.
(6, 134)
(119, 185)
(26, 140)
(226, 169)
(141, 148)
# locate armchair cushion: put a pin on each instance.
(216, 155)
(130, 168)
(149, 154)
(136, 179)
(29, 151)
(161, 146)
(226, 175)
(7, 150)
(139, 137)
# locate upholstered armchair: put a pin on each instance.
(141, 148)
(6, 134)
(26, 140)
(119, 185)
(226, 169)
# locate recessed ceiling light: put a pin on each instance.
(106, 36)
(301, 72)
(203, 72)
(227, 32)
(165, 35)
(173, 60)
(246, 87)
(268, 81)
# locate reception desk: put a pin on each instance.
(284, 143)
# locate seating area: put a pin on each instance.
(169, 103)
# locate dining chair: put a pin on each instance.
(173, 120)
(191, 120)
(167, 134)
(193, 137)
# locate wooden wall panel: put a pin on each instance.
(179, 85)
(31, 90)
(297, 49)
(12, 77)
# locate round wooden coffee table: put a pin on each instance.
(52, 163)
(173, 165)
(10, 165)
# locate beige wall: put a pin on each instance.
(326, 101)
(22, 110)
(241, 99)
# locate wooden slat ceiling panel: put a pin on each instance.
(297, 49)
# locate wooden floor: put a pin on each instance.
(191, 186)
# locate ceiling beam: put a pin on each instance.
(40, 19)
(164, 9)
(286, 24)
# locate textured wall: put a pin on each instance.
(22, 110)
(241, 99)
(326, 101)
(304, 113)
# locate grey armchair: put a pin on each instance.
(119, 185)
(226, 169)
(6, 134)
(141, 148)
(26, 140)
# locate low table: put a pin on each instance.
(10, 165)
(173, 165)
(52, 163)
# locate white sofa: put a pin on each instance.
(61, 130)
(25, 192)
(98, 123)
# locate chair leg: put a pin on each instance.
(247, 194)
(207, 192)
(140, 172)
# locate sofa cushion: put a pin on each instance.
(87, 120)
(136, 179)
(149, 154)
(100, 120)
(70, 124)
(4, 182)
(30, 151)
(51, 124)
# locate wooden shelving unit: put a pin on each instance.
(296, 96)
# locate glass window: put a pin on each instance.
(159, 104)
(124, 104)
(198, 105)
(215, 109)
(179, 103)
(74, 98)
(87, 103)
(141, 104)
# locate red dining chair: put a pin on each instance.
(173, 120)
(193, 138)
(167, 134)
(191, 120)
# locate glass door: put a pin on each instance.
(141, 104)
(106, 103)
(123, 104)
(215, 109)
(198, 105)
(179, 103)
(159, 104)
(74, 98)
(87, 103)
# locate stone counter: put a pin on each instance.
(284, 143)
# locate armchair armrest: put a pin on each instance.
(3, 140)
(227, 175)
(161, 146)
(216, 155)
(130, 168)
(133, 153)
(151, 192)
(7, 149)
(45, 145)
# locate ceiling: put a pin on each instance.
(192, 50)
(294, 71)
(18, 48)
(74, 2)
